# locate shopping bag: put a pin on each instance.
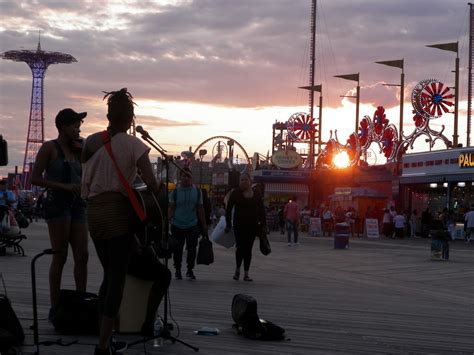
(265, 248)
(219, 236)
(205, 254)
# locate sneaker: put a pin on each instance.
(178, 275)
(117, 346)
(289, 244)
(236, 276)
(190, 275)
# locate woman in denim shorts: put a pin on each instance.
(58, 169)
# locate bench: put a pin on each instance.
(12, 241)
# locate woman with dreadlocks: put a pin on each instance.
(110, 214)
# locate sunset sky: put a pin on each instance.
(205, 68)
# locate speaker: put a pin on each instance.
(134, 305)
(3, 152)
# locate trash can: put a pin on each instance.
(342, 232)
(439, 244)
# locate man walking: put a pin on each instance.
(185, 212)
(292, 215)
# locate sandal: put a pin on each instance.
(236, 276)
(247, 278)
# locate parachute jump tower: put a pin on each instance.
(38, 61)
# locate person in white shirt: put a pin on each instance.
(469, 220)
(399, 221)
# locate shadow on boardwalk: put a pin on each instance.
(377, 297)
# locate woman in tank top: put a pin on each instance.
(58, 169)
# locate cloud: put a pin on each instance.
(235, 54)
(162, 122)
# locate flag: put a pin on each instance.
(393, 63)
(312, 88)
(354, 77)
(453, 47)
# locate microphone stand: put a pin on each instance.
(165, 333)
(37, 343)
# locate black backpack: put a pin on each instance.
(249, 324)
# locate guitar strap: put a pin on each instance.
(133, 199)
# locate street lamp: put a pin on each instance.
(353, 77)
(202, 153)
(398, 64)
(453, 47)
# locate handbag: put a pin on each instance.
(21, 219)
(265, 248)
(205, 254)
(5, 223)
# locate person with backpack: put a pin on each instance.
(186, 211)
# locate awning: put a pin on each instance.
(274, 187)
(423, 179)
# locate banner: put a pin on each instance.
(371, 228)
(315, 228)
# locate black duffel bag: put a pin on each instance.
(77, 313)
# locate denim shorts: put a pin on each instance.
(57, 208)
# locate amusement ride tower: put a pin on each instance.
(38, 61)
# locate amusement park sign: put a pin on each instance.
(466, 160)
(286, 159)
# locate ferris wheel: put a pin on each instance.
(431, 98)
(301, 127)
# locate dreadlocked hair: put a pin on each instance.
(120, 104)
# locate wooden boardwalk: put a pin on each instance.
(377, 297)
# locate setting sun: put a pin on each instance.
(341, 160)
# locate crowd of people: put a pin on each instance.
(393, 223)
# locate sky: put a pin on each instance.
(222, 68)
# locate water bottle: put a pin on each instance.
(158, 327)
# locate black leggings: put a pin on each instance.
(244, 238)
(114, 255)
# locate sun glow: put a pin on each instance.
(341, 160)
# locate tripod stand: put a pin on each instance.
(166, 159)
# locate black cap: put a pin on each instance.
(68, 116)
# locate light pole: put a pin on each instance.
(453, 47)
(353, 77)
(398, 64)
(202, 153)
